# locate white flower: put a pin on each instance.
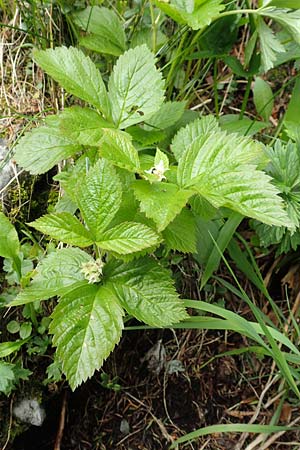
(92, 270)
(158, 171)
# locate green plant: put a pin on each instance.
(124, 197)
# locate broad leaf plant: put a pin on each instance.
(124, 197)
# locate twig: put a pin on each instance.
(9, 425)
(61, 425)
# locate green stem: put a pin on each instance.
(33, 315)
(216, 88)
(246, 97)
(153, 27)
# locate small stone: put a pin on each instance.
(124, 427)
(29, 411)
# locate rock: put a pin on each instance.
(6, 166)
(29, 411)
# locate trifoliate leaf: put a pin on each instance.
(107, 33)
(136, 88)
(99, 197)
(81, 125)
(117, 147)
(55, 275)
(223, 169)
(41, 148)
(65, 228)
(76, 73)
(181, 233)
(86, 325)
(128, 237)
(161, 202)
(146, 291)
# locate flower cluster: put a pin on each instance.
(158, 170)
(92, 270)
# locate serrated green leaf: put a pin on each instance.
(284, 166)
(270, 46)
(76, 73)
(6, 376)
(181, 233)
(168, 114)
(289, 20)
(117, 147)
(86, 325)
(223, 169)
(263, 98)
(145, 137)
(40, 149)
(186, 135)
(81, 125)
(146, 291)
(202, 14)
(136, 87)
(161, 202)
(128, 237)
(65, 228)
(107, 36)
(55, 275)
(99, 197)
(9, 241)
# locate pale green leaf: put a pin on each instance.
(54, 275)
(289, 20)
(168, 114)
(161, 159)
(65, 228)
(7, 348)
(86, 325)
(181, 233)
(161, 202)
(136, 87)
(128, 237)
(293, 4)
(76, 73)
(99, 197)
(40, 149)
(107, 36)
(9, 241)
(223, 169)
(203, 13)
(6, 376)
(117, 147)
(232, 123)
(270, 46)
(263, 98)
(81, 125)
(146, 291)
